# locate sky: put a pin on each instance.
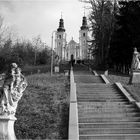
(30, 18)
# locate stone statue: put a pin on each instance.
(12, 90)
(135, 61)
(57, 60)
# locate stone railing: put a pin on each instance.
(73, 113)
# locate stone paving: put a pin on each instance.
(104, 113)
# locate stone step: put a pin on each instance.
(110, 125)
(99, 93)
(84, 90)
(100, 96)
(89, 131)
(105, 112)
(108, 109)
(93, 85)
(97, 89)
(95, 111)
(99, 100)
(110, 137)
(87, 79)
(108, 119)
(104, 107)
(96, 86)
(105, 103)
(104, 115)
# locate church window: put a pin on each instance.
(84, 34)
(59, 36)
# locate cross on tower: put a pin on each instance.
(61, 15)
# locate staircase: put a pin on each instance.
(104, 113)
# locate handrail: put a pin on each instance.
(104, 79)
(126, 94)
(73, 113)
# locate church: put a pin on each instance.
(79, 51)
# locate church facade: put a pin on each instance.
(79, 51)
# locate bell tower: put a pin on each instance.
(60, 40)
(83, 37)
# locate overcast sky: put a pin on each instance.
(30, 18)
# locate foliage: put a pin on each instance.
(115, 30)
(43, 110)
(23, 53)
(126, 34)
(44, 57)
(102, 23)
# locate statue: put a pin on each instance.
(12, 90)
(57, 60)
(135, 61)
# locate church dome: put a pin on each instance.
(61, 26)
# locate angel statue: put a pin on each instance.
(12, 90)
(135, 61)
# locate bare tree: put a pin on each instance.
(6, 32)
(37, 44)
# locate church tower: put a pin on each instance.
(60, 40)
(83, 33)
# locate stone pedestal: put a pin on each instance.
(7, 127)
(56, 69)
(134, 77)
(66, 72)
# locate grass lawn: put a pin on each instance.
(28, 70)
(133, 89)
(42, 112)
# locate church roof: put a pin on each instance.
(72, 42)
(84, 24)
(61, 26)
